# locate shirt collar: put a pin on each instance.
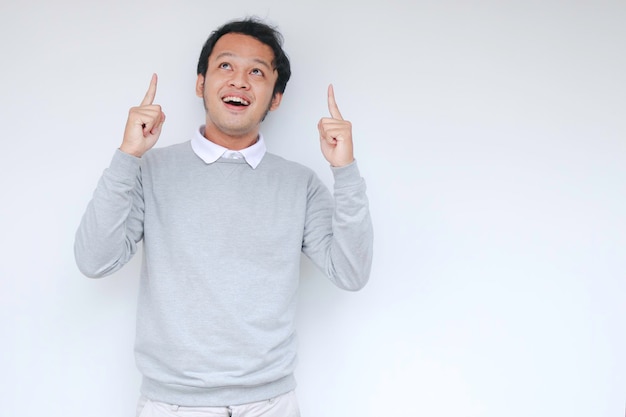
(210, 152)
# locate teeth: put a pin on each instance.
(234, 99)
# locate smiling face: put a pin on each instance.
(237, 90)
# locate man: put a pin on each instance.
(223, 224)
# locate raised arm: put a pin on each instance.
(338, 233)
(112, 225)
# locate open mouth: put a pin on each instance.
(236, 101)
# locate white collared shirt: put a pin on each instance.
(210, 152)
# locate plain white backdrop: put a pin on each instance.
(492, 136)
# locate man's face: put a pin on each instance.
(237, 90)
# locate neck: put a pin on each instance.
(232, 142)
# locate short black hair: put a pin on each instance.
(263, 33)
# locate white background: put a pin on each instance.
(492, 136)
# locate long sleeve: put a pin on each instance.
(112, 225)
(338, 235)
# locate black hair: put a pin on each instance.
(263, 33)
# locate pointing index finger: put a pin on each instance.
(332, 104)
(151, 93)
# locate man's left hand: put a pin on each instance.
(335, 135)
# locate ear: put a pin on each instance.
(276, 101)
(200, 86)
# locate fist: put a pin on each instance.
(144, 124)
(335, 135)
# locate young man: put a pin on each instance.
(223, 224)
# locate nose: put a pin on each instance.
(239, 80)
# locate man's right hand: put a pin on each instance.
(144, 124)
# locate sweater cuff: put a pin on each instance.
(124, 165)
(347, 175)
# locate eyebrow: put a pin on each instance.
(257, 60)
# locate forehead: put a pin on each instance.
(242, 46)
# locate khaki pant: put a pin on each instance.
(285, 405)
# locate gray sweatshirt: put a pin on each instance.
(221, 263)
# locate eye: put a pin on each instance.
(224, 65)
(257, 71)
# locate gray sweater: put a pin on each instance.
(221, 263)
